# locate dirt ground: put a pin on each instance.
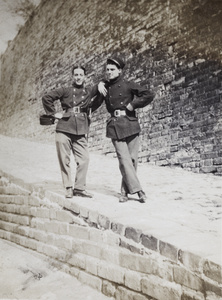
(25, 274)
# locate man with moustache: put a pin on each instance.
(72, 129)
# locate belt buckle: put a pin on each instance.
(76, 109)
(117, 113)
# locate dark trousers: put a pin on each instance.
(127, 153)
(77, 144)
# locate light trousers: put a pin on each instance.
(127, 153)
(77, 144)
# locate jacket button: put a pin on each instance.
(120, 94)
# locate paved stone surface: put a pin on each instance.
(183, 208)
(34, 277)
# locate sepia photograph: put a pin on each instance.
(111, 149)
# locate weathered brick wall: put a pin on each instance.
(173, 47)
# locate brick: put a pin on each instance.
(63, 242)
(212, 296)
(78, 231)
(91, 265)
(96, 235)
(212, 271)
(186, 278)
(104, 222)
(168, 250)
(125, 294)
(90, 280)
(72, 206)
(92, 216)
(192, 295)
(84, 212)
(134, 234)
(42, 213)
(118, 228)
(64, 216)
(110, 254)
(149, 242)
(77, 260)
(111, 272)
(133, 280)
(213, 287)
(160, 289)
(143, 264)
(108, 288)
(190, 260)
(110, 238)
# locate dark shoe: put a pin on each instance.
(82, 193)
(142, 197)
(69, 192)
(123, 198)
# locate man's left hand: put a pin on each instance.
(129, 107)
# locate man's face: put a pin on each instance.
(78, 76)
(112, 71)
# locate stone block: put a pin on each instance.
(134, 234)
(110, 238)
(212, 271)
(91, 265)
(188, 279)
(77, 260)
(108, 288)
(111, 272)
(133, 280)
(168, 250)
(31, 244)
(92, 216)
(52, 226)
(212, 286)
(84, 212)
(134, 262)
(125, 294)
(118, 228)
(91, 249)
(192, 295)
(63, 242)
(78, 231)
(42, 213)
(64, 216)
(190, 260)
(160, 289)
(104, 222)
(96, 235)
(212, 296)
(149, 242)
(110, 254)
(90, 280)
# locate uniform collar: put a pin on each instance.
(77, 86)
(115, 80)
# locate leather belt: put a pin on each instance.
(76, 109)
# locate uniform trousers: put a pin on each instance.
(127, 153)
(77, 144)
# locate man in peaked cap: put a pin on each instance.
(72, 129)
(123, 126)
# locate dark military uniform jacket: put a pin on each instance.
(72, 122)
(120, 93)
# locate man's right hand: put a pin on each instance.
(102, 89)
(58, 115)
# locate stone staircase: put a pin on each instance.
(116, 260)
